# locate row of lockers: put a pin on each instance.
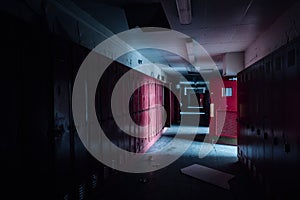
(268, 117)
(73, 166)
(39, 142)
(148, 95)
(143, 136)
(145, 105)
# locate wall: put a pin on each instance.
(113, 18)
(233, 63)
(282, 31)
(85, 23)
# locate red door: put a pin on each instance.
(228, 110)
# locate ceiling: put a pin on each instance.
(220, 26)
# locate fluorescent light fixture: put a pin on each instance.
(192, 113)
(187, 82)
(193, 83)
(193, 89)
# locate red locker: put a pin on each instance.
(136, 100)
(152, 94)
(143, 96)
(156, 91)
(160, 95)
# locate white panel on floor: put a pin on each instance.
(208, 175)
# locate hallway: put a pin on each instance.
(92, 90)
(170, 183)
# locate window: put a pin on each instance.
(226, 92)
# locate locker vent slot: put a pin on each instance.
(94, 181)
(81, 192)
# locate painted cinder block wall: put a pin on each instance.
(284, 29)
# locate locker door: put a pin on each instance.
(104, 95)
(255, 118)
(241, 114)
(298, 89)
(251, 115)
(291, 114)
(260, 84)
(277, 118)
(63, 138)
(268, 107)
(239, 82)
(247, 77)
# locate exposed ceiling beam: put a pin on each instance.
(189, 44)
(184, 11)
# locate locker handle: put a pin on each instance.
(265, 135)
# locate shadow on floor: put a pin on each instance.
(170, 183)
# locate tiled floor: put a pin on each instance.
(170, 183)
